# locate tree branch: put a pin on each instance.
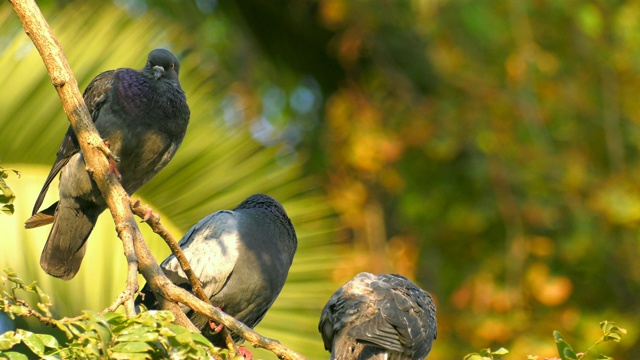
(136, 251)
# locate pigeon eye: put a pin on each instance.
(173, 65)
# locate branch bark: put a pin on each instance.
(138, 255)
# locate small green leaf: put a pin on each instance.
(613, 337)
(48, 340)
(12, 355)
(476, 356)
(14, 278)
(8, 340)
(33, 342)
(142, 336)
(603, 357)
(18, 309)
(501, 351)
(130, 356)
(200, 339)
(44, 297)
(115, 318)
(8, 209)
(134, 347)
(569, 354)
(606, 326)
(564, 349)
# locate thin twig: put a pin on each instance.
(153, 220)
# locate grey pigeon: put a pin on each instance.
(142, 116)
(379, 317)
(242, 258)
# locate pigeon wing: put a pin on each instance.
(398, 323)
(94, 97)
(211, 247)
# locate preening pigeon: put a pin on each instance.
(143, 116)
(241, 257)
(379, 317)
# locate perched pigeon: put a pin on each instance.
(142, 116)
(379, 317)
(241, 257)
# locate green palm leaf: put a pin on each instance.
(217, 166)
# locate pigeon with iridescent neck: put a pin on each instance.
(142, 115)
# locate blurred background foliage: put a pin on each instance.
(486, 149)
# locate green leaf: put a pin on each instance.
(200, 339)
(34, 342)
(103, 331)
(613, 337)
(606, 326)
(44, 297)
(14, 278)
(564, 349)
(134, 347)
(501, 351)
(12, 355)
(604, 357)
(476, 356)
(8, 209)
(48, 340)
(141, 336)
(8, 340)
(129, 356)
(114, 318)
(568, 354)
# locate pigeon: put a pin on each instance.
(142, 116)
(379, 317)
(241, 257)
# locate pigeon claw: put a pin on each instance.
(215, 327)
(113, 159)
(245, 353)
(114, 170)
(107, 151)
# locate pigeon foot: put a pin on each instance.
(113, 159)
(245, 353)
(215, 327)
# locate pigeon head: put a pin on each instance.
(162, 64)
(268, 205)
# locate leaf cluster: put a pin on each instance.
(6, 195)
(610, 332)
(148, 335)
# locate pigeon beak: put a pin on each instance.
(158, 71)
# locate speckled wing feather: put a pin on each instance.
(376, 317)
(94, 96)
(405, 315)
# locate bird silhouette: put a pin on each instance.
(379, 317)
(142, 116)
